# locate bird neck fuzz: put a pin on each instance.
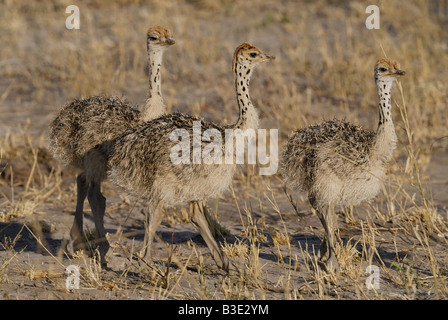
(248, 116)
(386, 139)
(384, 102)
(154, 106)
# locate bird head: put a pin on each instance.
(249, 56)
(387, 70)
(158, 37)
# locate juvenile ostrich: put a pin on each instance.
(339, 163)
(140, 163)
(85, 123)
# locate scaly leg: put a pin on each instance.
(98, 205)
(199, 220)
(152, 222)
(329, 222)
(332, 260)
(215, 228)
(76, 232)
(328, 254)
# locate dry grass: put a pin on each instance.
(324, 67)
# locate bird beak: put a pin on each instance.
(268, 58)
(399, 72)
(168, 42)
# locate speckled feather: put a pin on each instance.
(140, 163)
(347, 145)
(148, 146)
(83, 124)
(339, 163)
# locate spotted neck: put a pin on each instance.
(248, 116)
(154, 106)
(386, 138)
(384, 104)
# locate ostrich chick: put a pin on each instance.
(339, 163)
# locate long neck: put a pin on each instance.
(248, 116)
(384, 104)
(154, 106)
(386, 138)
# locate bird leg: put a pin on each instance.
(199, 220)
(152, 222)
(327, 249)
(98, 205)
(76, 232)
(215, 228)
(332, 260)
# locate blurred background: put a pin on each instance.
(324, 67)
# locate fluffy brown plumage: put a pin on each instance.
(339, 163)
(347, 145)
(140, 163)
(83, 124)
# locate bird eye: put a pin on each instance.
(383, 69)
(152, 38)
(253, 54)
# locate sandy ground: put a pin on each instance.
(37, 267)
